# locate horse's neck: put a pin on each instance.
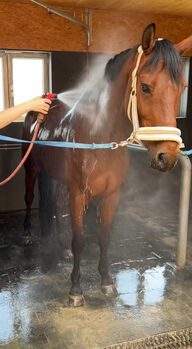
(114, 118)
(120, 94)
(117, 109)
(101, 111)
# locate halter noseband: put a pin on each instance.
(140, 134)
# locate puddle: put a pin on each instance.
(147, 287)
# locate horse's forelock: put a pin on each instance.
(165, 51)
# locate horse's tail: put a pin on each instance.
(30, 118)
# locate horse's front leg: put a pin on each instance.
(77, 204)
(107, 209)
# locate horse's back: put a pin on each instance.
(42, 157)
(52, 120)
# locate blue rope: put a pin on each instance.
(187, 152)
(72, 145)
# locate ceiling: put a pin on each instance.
(170, 7)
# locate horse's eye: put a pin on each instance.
(145, 88)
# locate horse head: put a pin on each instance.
(159, 86)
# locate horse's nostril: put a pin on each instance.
(160, 162)
(161, 157)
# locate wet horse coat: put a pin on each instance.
(100, 116)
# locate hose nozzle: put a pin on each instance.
(49, 95)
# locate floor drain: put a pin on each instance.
(168, 340)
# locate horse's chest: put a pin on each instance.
(103, 174)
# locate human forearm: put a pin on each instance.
(11, 114)
(36, 104)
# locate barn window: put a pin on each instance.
(22, 77)
(183, 103)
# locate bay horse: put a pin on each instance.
(100, 116)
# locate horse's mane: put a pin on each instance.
(163, 49)
(114, 65)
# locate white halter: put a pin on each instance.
(140, 134)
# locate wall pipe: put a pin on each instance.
(184, 201)
(183, 210)
(86, 25)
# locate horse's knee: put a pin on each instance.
(29, 199)
(104, 239)
(78, 242)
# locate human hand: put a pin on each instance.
(39, 104)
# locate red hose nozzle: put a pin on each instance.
(50, 95)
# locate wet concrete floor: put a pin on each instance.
(153, 296)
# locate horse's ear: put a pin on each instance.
(184, 46)
(148, 39)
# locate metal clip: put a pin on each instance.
(114, 145)
(123, 143)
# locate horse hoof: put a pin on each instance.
(109, 290)
(26, 240)
(68, 255)
(76, 301)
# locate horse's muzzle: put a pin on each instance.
(163, 155)
(162, 162)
